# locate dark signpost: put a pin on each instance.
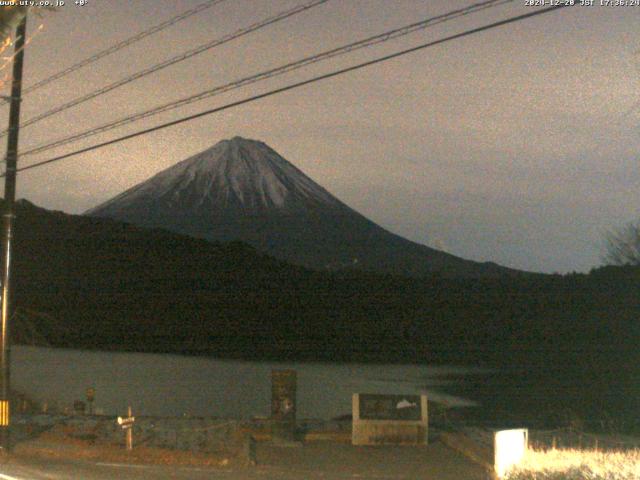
(91, 395)
(283, 405)
(79, 407)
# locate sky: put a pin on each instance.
(517, 145)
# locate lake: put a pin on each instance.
(173, 385)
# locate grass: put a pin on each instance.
(578, 464)
(57, 444)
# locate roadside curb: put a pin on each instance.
(462, 444)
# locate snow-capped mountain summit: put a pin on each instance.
(242, 189)
(240, 175)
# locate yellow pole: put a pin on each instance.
(129, 433)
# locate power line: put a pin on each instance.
(296, 85)
(273, 72)
(179, 58)
(119, 46)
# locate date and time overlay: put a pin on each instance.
(527, 3)
(582, 3)
(43, 3)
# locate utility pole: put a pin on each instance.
(9, 199)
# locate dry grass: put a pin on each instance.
(578, 464)
(57, 444)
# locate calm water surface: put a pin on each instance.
(171, 385)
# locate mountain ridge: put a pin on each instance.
(242, 189)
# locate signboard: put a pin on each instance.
(389, 419)
(126, 422)
(390, 407)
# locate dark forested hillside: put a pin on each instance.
(559, 341)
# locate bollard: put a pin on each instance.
(130, 433)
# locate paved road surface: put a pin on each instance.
(314, 461)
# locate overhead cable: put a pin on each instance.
(120, 45)
(273, 72)
(172, 61)
(293, 86)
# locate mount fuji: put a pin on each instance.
(243, 190)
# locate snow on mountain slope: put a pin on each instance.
(238, 174)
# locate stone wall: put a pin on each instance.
(190, 434)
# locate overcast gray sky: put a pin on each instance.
(518, 145)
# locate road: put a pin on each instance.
(22, 469)
(321, 460)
